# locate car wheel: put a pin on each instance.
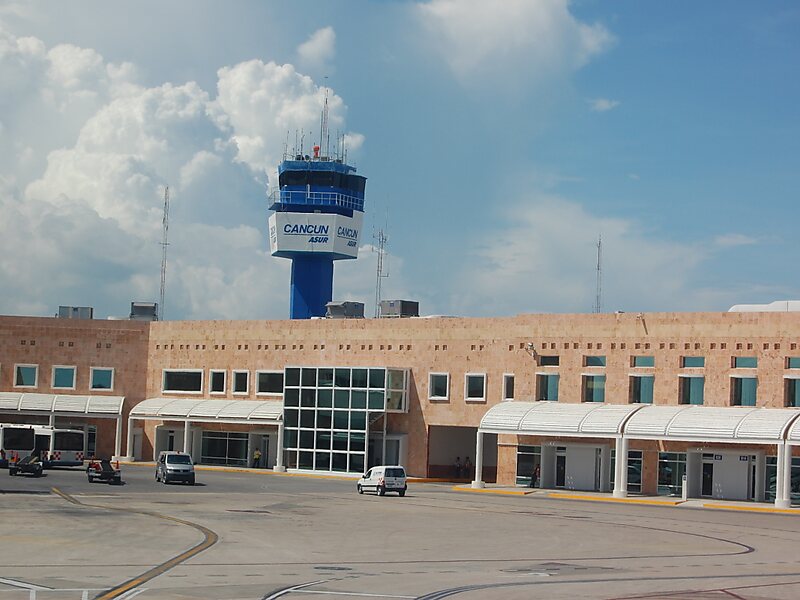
(191, 481)
(381, 490)
(90, 478)
(402, 493)
(360, 489)
(157, 477)
(164, 479)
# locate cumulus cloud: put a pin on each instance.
(85, 154)
(731, 240)
(602, 104)
(532, 40)
(319, 49)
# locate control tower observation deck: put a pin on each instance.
(319, 210)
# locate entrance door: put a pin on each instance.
(561, 470)
(708, 479)
(392, 452)
(170, 440)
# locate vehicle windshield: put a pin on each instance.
(179, 459)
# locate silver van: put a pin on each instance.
(174, 466)
(382, 479)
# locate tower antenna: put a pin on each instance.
(324, 135)
(164, 244)
(598, 301)
(382, 238)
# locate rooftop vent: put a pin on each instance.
(345, 310)
(75, 312)
(144, 311)
(393, 309)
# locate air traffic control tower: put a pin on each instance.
(319, 209)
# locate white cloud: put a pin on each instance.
(319, 49)
(731, 240)
(602, 104)
(530, 40)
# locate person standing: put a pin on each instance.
(457, 467)
(535, 476)
(257, 458)
(467, 468)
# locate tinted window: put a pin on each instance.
(18, 439)
(270, 383)
(183, 381)
(395, 473)
(69, 440)
(548, 361)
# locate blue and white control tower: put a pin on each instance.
(319, 210)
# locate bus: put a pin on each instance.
(60, 447)
(17, 441)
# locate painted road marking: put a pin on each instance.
(25, 586)
(289, 590)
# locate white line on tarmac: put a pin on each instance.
(23, 585)
(289, 590)
(351, 594)
(132, 593)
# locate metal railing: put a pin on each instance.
(317, 199)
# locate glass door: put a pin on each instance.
(708, 479)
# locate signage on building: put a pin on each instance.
(314, 233)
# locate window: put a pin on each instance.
(547, 387)
(188, 382)
(594, 388)
(691, 390)
(793, 362)
(475, 387)
(101, 378)
(64, 378)
(438, 386)
(693, 361)
(91, 440)
(26, 375)
(594, 361)
(548, 361)
(269, 382)
(508, 386)
(792, 393)
(744, 391)
(642, 389)
(745, 362)
(217, 382)
(643, 361)
(241, 382)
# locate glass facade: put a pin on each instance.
(691, 391)
(224, 448)
(642, 389)
(744, 391)
(671, 469)
(547, 387)
(770, 481)
(594, 388)
(634, 470)
(528, 458)
(328, 412)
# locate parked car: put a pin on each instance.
(382, 479)
(174, 466)
(30, 465)
(103, 470)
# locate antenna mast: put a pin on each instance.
(381, 238)
(598, 302)
(164, 244)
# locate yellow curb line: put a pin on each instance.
(457, 488)
(784, 511)
(612, 499)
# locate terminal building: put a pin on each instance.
(625, 403)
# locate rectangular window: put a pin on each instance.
(792, 392)
(26, 375)
(642, 389)
(241, 382)
(745, 362)
(269, 382)
(475, 387)
(438, 386)
(64, 378)
(548, 361)
(508, 387)
(101, 378)
(693, 361)
(744, 391)
(547, 387)
(691, 390)
(594, 388)
(644, 361)
(217, 382)
(793, 362)
(188, 381)
(594, 361)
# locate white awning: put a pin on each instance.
(555, 418)
(793, 437)
(741, 424)
(61, 404)
(206, 410)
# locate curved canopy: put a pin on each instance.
(223, 411)
(711, 423)
(644, 421)
(554, 418)
(91, 406)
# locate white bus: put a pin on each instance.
(17, 441)
(60, 447)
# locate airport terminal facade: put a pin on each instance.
(712, 396)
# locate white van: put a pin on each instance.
(382, 479)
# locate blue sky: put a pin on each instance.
(500, 142)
